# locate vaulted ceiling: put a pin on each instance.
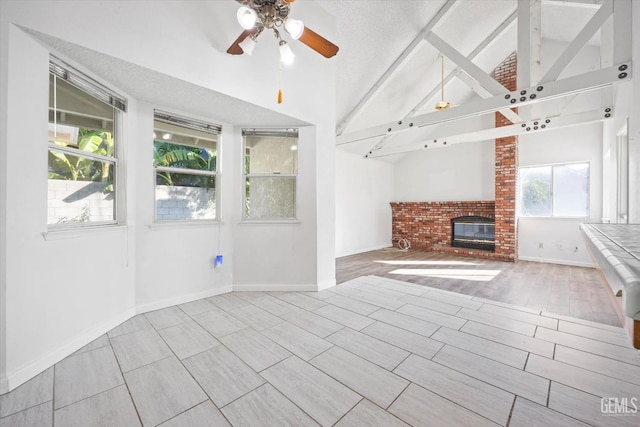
(389, 67)
(389, 64)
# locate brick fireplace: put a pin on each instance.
(427, 225)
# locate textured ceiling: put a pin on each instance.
(160, 89)
(373, 34)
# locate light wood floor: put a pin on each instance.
(572, 291)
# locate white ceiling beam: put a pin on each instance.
(444, 11)
(495, 34)
(536, 45)
(524, 43)
(579, 42)
(536, 41)
(562, 105)
(508, 113)
(466, 65)
(529, 127)
(590, 4)
(606, 57)
(581, 83)
(458, 71)
(622, 35)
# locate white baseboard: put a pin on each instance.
(362, 250)
(29, 371)
(25, 373)
(157, 305)
(4, 385)
(274, 288)
(557, 261)
(326, 284)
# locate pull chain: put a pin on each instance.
(279, 82)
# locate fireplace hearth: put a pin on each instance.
(473, 232)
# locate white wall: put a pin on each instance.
(456, 173)
(364, 188)
(634, 125)
(278, 255)
(63, 290)
(559, 236)
(175, 262)
(54, 304)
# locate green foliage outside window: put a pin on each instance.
(166, 154)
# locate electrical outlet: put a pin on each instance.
(540, 245)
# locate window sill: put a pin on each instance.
(160, 225)
(73, 233)
(562, 218)
(269, 221)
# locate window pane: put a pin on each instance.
(182, 196)
(535, 191)
(271, 154)
(167, 154)
(70, 106)
(87, 140)
(81, 190)
(571, 190)
(271, 197)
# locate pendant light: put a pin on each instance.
(442, 104)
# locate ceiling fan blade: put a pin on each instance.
(235, 48)
(318, 43)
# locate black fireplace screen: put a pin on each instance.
(473, 232)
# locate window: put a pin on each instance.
(555, 191)
(271, 171)
(82, 165)
(185, 160)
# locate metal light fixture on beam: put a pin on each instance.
(577, 84)
(529, 126)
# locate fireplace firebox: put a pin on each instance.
(474, 232)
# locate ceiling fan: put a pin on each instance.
(257, 15)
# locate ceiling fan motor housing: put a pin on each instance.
(272, 13)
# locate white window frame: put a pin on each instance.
(61, 70)
(195, 124)
(283, 132)
(553, 197)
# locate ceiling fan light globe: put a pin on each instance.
(247, 45)
(294, 27)
(247, 17)
(286, 54)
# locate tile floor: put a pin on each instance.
(371, 351)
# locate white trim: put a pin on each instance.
(326, 284)
(256, 287)
(267, 221)
(32, 369)
(29, 371)
(557, 261)
(170, 302)
(73, 233)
